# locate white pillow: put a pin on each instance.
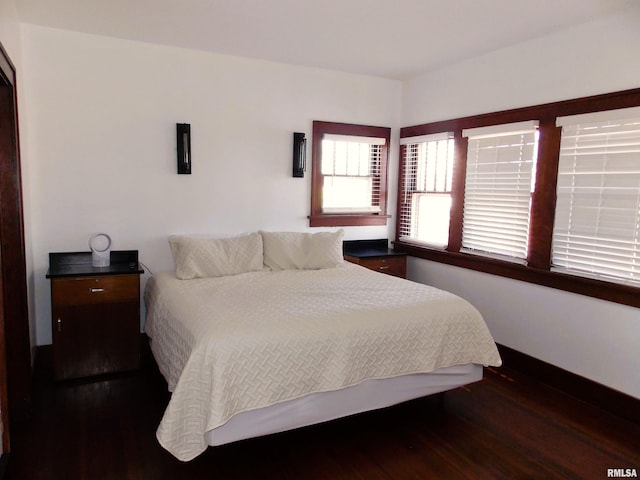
(298, 250)
(174, 240)
(215, 257)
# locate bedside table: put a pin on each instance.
(95, 314)
(376, 255)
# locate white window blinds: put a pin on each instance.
(350, 167)
(425, 200)
(499, 180)
(597, 225)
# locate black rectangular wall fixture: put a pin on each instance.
(299, 154)
(183, 136)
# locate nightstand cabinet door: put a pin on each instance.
(96, 325)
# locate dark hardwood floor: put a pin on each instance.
(505, 427)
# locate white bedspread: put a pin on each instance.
(237, 343)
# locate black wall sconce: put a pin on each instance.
(299, 154)
(183, 135)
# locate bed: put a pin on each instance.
(273, 331)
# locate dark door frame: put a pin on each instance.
(15, 364)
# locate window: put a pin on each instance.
(427, 181)
(548, 194)
(597, 223)
(349, 177)
(350, 171)
(498, 185)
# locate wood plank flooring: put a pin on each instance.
(505, 427)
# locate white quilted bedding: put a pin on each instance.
(237, 343)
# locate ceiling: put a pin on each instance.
(387, 38)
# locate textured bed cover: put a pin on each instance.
(237, 343)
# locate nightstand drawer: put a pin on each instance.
(97, 289)
(391, 265)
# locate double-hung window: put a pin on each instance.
(597, 224)
(548, 194)
(425, 204)
(500, 175)
(349, 174)
(350, 168)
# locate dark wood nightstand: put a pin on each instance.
(95, 314)
(376, 255)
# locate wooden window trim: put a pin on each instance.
(319, 219)
(538, 267)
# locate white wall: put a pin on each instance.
(593, 338)
(102, 153)
(10, 30)
(598, 57)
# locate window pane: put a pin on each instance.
(346, 158)
(350, 170)
(430, 219)
(597, 225)
(498, 190)
(426, 192)
(347, 194)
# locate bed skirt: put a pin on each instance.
(321, 407)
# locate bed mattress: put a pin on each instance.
(235, 344)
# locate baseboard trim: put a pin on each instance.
(579, 387)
